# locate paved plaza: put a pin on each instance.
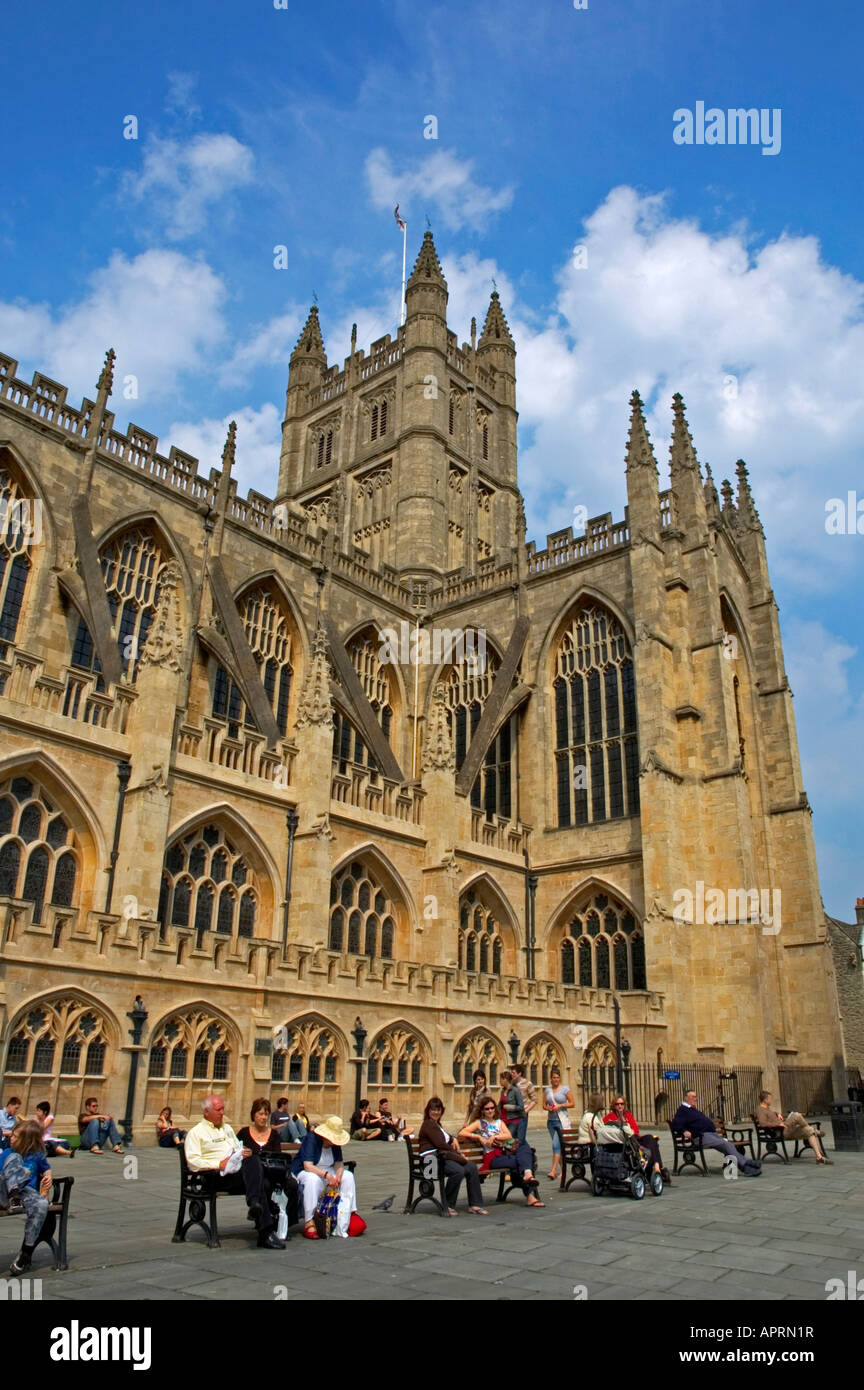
(780, 1236)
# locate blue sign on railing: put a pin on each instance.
(671, 1076)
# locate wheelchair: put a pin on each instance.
(624, 1168)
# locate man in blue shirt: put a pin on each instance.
(688, 1121)
(8, 1120)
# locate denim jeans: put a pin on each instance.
(97, 1131)
(289, 1131)
(554, 1128)
(15, 1179)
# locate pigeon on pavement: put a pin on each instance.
(386, 1204)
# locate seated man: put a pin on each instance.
(209, 1145)
(794, 1126)
(290, 1132)
(391, 1125)
(95, 1128)
(8, 1120)
(690, 1122)
(363, 1123)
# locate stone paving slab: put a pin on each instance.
(779, 1237)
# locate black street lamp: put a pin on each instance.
(138, 1015)
(625, 1054)
(514, 1044)
(292, 820)
(358, 1033)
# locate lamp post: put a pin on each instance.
(619, 1080)
(138, 1015)
(358, 1033)
(514, 1044)
(292, 820)
(625, 1053)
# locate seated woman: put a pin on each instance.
(591, 1118)
(52, 1146)
(502, 1150)
(318, 1162)
(619, 1115)
(433, 1139)
(25, 1174)
(793, 1126)
(168, 1136)
(260, 1138)
(363, 1123)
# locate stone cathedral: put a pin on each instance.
(315, 866)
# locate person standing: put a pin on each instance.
(558, 1101)
(529, 1098)
(512, 1106)
(478, 1093)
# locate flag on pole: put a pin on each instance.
(401, 225)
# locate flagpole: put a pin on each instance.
(404, 253)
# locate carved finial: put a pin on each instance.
(640, 454)
(729, 512)
(229, 449)
(164, 643)
(681, 452)
(105, 383)
(748, 517)
(496, 329)
(427, 265)
(438, 747)
(310, 343)
(315, 704)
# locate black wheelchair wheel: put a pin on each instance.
(656, 1184)
(598, 1186)
(637, 1187)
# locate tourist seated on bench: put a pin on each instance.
(95, 1128)
(435, 1140)
(8, 1120)
(688, 1121)
(260, 1138)
(25, 1174)
(53, 1146)
(291, 1131)
(503, 1151)
(168, 1136)
(319, 1161)
(794, 1126)
(208, 1147)
(619, 1115)
(592, 1116)
(363, 1123)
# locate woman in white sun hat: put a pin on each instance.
(319, 1162)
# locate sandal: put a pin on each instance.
(533, 1202)
(478, 1211)
(118, 1149)
(451, 1212)
(310, 1233)
(95, 1149)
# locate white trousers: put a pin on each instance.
(311, 1187)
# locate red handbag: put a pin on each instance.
(356, 1226)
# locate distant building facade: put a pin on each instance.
(220, 792)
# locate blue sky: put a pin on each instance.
(730, 275)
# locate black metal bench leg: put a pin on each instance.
(59, 1246)
(213, 1241)
(180, 1228)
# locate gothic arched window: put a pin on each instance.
(477, 1051)
(359, 903)
(479, 946)
(269, 632)
(596, 757)
(603, 947)
(540, 1055)
(61, 1041)
(395, 1061)
(132, 564)
(468, 685)
(38, 849)
(305, 1053)
(374, 676)
(18, 520)
(207, 883)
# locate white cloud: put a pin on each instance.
(183, 181)
(160, 311)
(440, 181)
(259, 437)
(269, 345)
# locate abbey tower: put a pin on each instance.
(216, 794)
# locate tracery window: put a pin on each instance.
(270, 636)
(17, 521)
(132, 564)
(603, 947)
(190, 1052)
(468, 688)
(306, 1053)
(395, 1060)
(541, 1054)
(480, 948)
(477, 1051)
(599, 1072)
(362, 915)
(59, 1041)
(596, 758)
(348, 745)
(208, 884)
(39, 853)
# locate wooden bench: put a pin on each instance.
(427, 1174)
(772, 1137)
(58, 1207)
(577, 1155)
(201, 1191)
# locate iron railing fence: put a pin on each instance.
(809, 1090)
(654, 1095)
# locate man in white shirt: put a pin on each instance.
(209, 1145)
